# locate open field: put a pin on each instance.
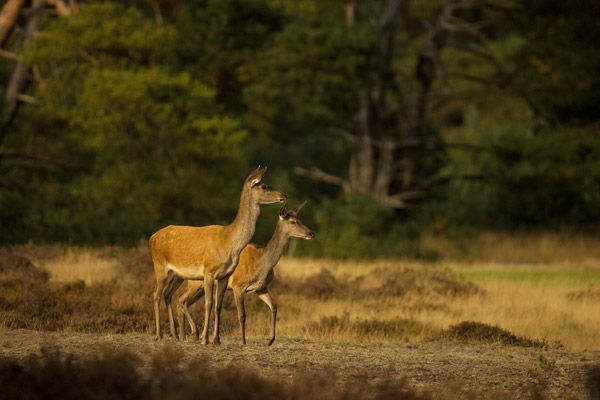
(556, 304)
(312, 369)
(481, 326)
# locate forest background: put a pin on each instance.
(395, 119)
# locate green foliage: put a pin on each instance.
(545, 363)
(356, 227)
(106, 34)
(153, 142)
(545, 279)
(563, 85)
(529, 177)
(140, 124)
(311, 71)
(218, 42)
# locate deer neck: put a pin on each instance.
(241, 230)
(274, 249)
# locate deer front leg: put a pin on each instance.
(208, 303)
(221, 286)
(239, 303)
(265, 296)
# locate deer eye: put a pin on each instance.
(293, 222)
(263, 186)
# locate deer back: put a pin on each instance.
(190, 247)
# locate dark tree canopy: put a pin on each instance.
(392, 117)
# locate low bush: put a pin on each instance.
(29, 300)
(391, 282)
(476, 332)
(593, 381)
(123, 375)
(15, 266)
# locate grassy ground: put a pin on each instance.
(556, 302)
(529, 308)
(551, 303)
(134, 365)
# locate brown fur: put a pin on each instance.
(208, 253)
(253, 273)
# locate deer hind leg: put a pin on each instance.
(161, 281)
(265, 296)
(239, 303)
(221, 286)
(183, 303)
(209, 281)
(174, 282)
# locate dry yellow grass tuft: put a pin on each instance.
(82, 264)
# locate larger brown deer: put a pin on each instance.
(253, 273)
(207, 253)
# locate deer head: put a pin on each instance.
(262, 193)
(292, 225)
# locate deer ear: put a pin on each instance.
(255, 176)
(294, 212)
(283, 211)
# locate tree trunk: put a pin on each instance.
(425, 73)
(8, 18)
(361, 162)
(384, 81)
(364, 177)
(21, 74)
(350, 13)
(61, 7)
(381, 135)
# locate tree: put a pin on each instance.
(390, 135)
(141, 137)
(540, 168)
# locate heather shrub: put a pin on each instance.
(477, 332)
(119, 374)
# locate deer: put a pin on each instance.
(253, 274)
(208, 253)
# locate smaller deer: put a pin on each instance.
(253, 273)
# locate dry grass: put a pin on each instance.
(110, 290)
(356, 317)
(554, 249)
(553, 303)
(87, 265)
(114, 301)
